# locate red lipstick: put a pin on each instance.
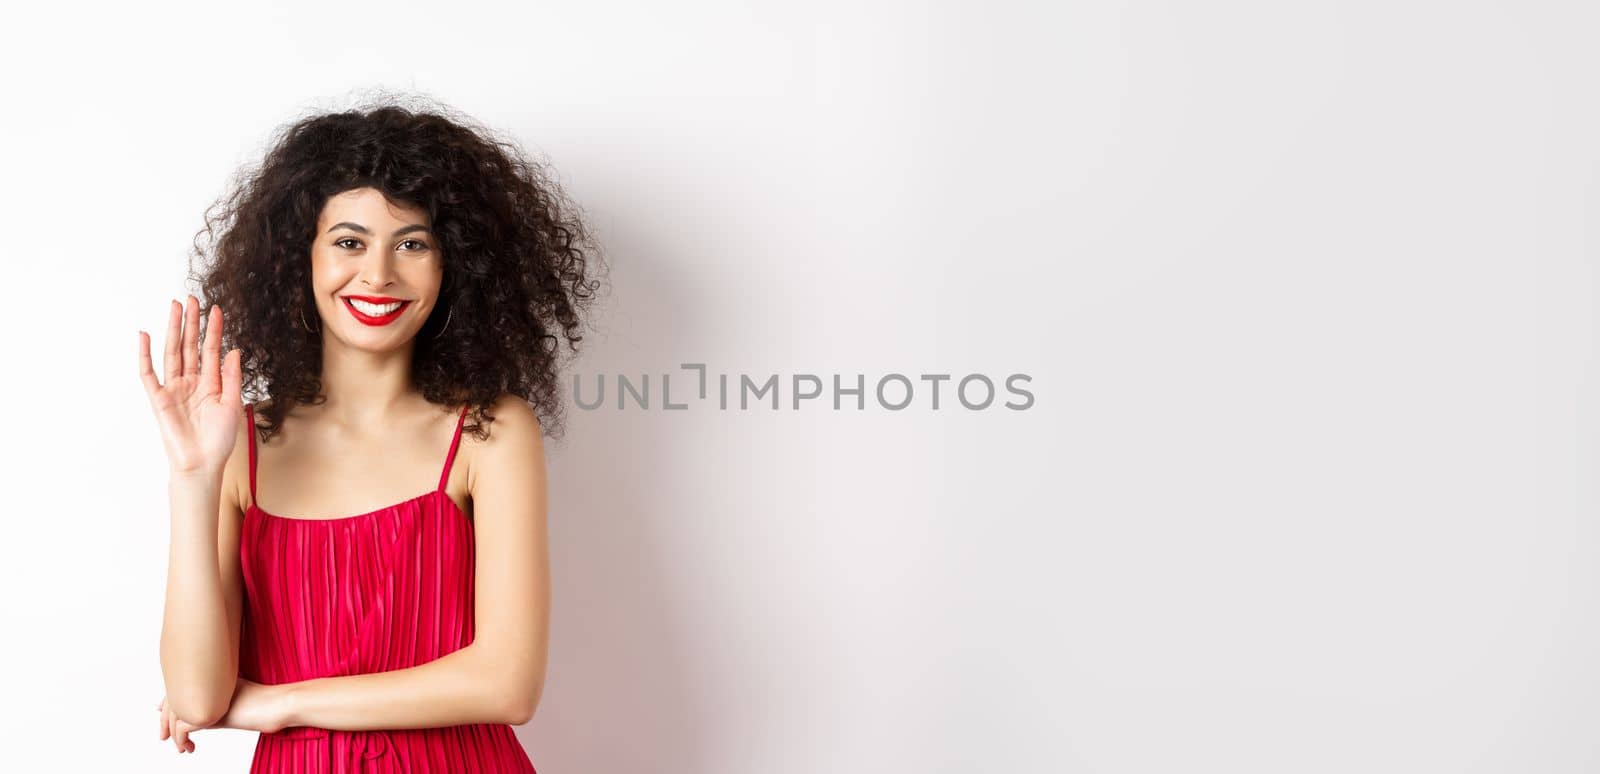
(375, 320)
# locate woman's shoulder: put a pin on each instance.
(512, 456)
(236, 473)
(513, 419)
(513, 433)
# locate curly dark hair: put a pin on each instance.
(517, 258)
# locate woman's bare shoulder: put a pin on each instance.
(515, 432)
(513, 417)
(236, 472)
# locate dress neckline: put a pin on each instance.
(450, 501)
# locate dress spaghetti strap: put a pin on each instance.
(454, 444)
(250, 427)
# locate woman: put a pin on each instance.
(391, 279)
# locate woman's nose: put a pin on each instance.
(377, 272)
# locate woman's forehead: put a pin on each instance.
(362, 205)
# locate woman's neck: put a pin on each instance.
(362, 386)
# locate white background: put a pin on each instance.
(1306, 291)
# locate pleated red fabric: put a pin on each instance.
(377, 591)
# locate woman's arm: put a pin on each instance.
(200, 623)
(499, 677)
(200, 627)
(466, 686)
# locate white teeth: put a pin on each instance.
(376, 310)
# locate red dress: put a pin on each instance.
(374, 592)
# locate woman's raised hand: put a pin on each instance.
(198, 406)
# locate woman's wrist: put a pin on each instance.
(285, 706)
(198, 478)
(194, 499)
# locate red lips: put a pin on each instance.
(367, 319)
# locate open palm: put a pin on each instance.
(197, 407)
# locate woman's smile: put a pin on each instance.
(374, 310)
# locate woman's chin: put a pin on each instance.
(374, 341)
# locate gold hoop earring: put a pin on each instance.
(303, 321)
(447, 315)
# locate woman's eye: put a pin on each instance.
(350, 243)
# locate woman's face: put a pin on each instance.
(367, 256)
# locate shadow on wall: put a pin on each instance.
(621, 689)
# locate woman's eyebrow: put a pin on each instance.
(363, 229)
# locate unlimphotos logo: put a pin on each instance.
(892, 391)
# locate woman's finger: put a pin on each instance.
(181, 738)
(231, 378)
(166, 730)
(210, 351)
(172, 350)
(147, 371)
(191, 337)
